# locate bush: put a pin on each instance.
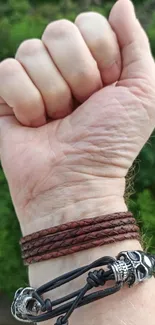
(12, 274)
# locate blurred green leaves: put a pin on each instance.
(12, 271)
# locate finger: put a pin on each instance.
(102, 43)
(38, 64)
(137, 59)
(73, 58)
(5, 110)
(19, 93)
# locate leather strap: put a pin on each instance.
(74, 224)
(72, 233)
(78, 235)
(75, 249)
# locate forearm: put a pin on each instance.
(129, 306)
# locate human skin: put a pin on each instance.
(94, 80)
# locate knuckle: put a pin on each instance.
(64, 92)
(84, 75)
(36, 98)
(29, 47)
(58, 29)
(9, 67)
(61, 93)
(85, 17)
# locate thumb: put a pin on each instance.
(137, 59)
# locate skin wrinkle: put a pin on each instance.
(34, 192)
(60, 190)
(141, 75)
(106, 175)
(142, 81)
(147, 115)
(93, 184)
(86, 112)
(126, 111)
(147, 110)
(60, 214)
(91, 199)
(93, 144)
(104, 159)
(93, 150)
(71, 204)
(130, 63)
(134, 90)
(64, 187)
(86, 173)
(135, 45)
(89, 156)
(48, 139)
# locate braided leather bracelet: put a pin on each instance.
(81, 239)
(81, 230)
(73, 225)
(77, 236)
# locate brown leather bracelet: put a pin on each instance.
(78, 248)
(78, 235)
(71, 242)
(74, 224)
(72, 233)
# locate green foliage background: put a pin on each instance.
(22, 19)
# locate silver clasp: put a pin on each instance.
(24, 304)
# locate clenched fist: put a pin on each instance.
(76, 108)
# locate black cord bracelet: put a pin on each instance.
(129, 267)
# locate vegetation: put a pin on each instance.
(24, 19)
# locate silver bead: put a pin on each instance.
(120, 270)
(24, 304)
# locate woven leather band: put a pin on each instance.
(79, 235)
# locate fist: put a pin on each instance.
(76, 108)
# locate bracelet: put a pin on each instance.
(130, 267)
(78, 235)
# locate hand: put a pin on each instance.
(99, 98)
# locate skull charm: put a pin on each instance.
(133, 267)
(20, 306)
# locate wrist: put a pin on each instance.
(99, 199)
(43, 272)
(87, 199)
